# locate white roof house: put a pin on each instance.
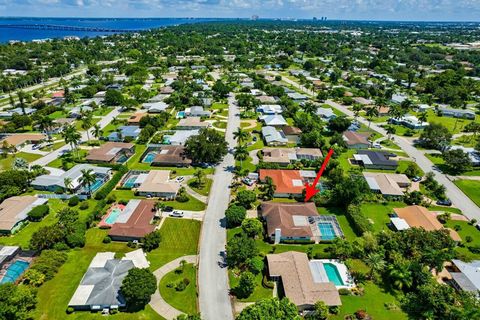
(273, 137)
(273, 120)
(155, 107)
(409, 121)
(326, 113)
(100, 285)
(180, 137)
(270, 109)
(468, 277)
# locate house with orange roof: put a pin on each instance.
(288, 183)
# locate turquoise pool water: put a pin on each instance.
(113, 216)
(130, 182)
(333, 274)
(122, 159)
(14, 271)
(327, 232)
(149, 157)
(181, 114)
(96, 185)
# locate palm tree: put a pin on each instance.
(400, 275)
(159, 205)
(309, 108)
(68, 184)
(423, 117)
(21, 100)
(71, 136)
(241, 153)
(375, 262)
(371, 112)
(268, 189)
(119, 134)
(45, 124)
(199, 178)
(86, 118)
(97, 131)
(87, 179)
(240, 135)
(390, 130)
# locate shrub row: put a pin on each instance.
(37, 213)
(110, 185)
(359, 222)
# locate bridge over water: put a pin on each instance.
(65, 28)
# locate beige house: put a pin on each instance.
(21, 139)
(388, 184)
(293, 270)
(285, 156)
(192, 123)
(157, 183)
(15, 209)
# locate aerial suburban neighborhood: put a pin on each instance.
(250, 169)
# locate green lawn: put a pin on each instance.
(179, 238)
(378, 213)
(185, 300)
(455, 125)
(53, 147)
(102, 111)
(373, 302)
(466, 230)
(54, 295)
(260, 291)
(220, 124)
(438, 160)
(471, 188)
(6, 162)
(205, 190)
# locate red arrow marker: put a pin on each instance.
(311, 190)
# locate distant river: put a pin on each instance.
(7, 34)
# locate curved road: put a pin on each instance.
(212, 279)
(458, 198)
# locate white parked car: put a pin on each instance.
(180, 179)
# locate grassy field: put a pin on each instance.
(185, 300)
(373, 302)
(220, 124)
(378, 213)
(203, 191)
(471, 188)
(179, 238)
(54, 295)
(259, 293)
(465, 231)
(6, 162)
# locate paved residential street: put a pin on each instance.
(458, 198)
(57, 153)
(212, 279)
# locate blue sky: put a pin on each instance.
(444, 10)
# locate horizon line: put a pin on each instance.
(245, 18)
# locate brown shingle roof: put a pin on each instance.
(138, 225)
(108, 151)
(290, 130)
(294, 270)
(136, 117)
(352, 138)
(280, 216)
(171, 155)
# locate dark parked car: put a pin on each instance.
(445, 202)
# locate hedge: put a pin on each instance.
(298, 241)
(37, 213)
(359, 222)
(110, 185)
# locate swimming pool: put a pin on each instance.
(122, 159)
(327, 231)
(130, 182)
(149, 157)
(180, 114)
(113, 216)
(14, 271)
(333, 274)
(96, 185)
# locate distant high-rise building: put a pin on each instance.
(314, 18)
(254, 17)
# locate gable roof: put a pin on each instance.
(172, 155)
(15, 209)
(297, 279)
(274, 120)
